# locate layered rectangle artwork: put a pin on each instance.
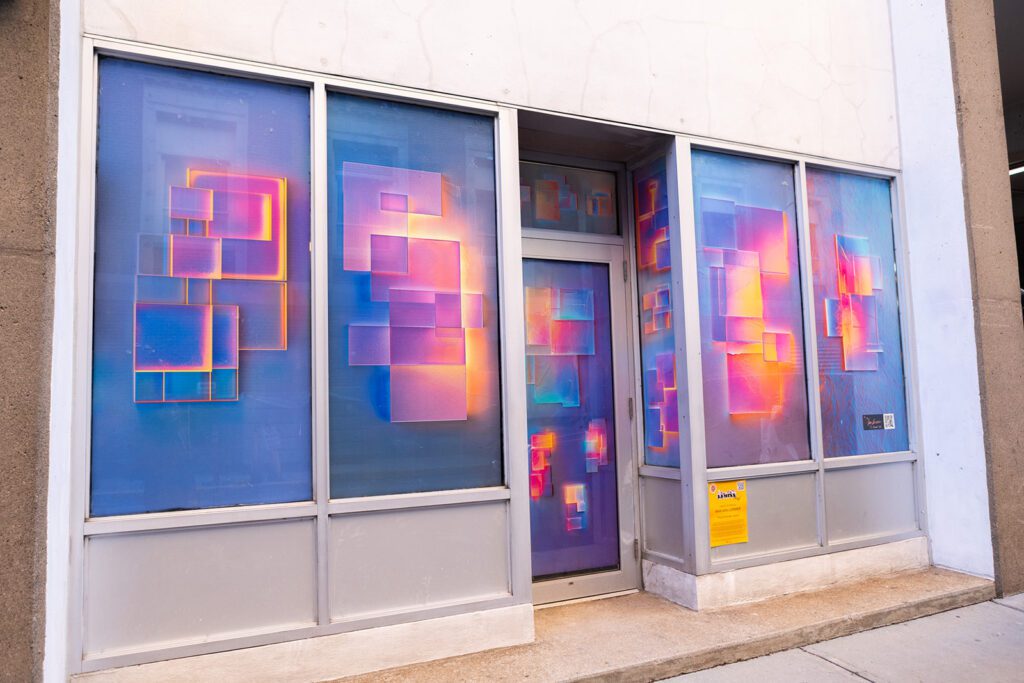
(555, 197)
(570, 417)
(222, 228)
(201, 367)
(751, 317)
(860, 362)
(657, 340)
(412, 293)
(419, 279)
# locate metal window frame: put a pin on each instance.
(319, 507)
(695, 487)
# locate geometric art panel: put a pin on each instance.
(657, 340)
(201, 344)
(214, 285)
(860, 360)
(559, 329)
(412, 299)
(553, 197)
(743, 247)
(421, 339)
(570, 417)
(751, 310)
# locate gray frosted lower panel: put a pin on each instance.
(865, 502)
(398, 560)
(144, 590)
(782, 516)
(662, 501)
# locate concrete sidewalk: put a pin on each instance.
(641, 637)
(983, 642)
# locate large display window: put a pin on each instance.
(860, 359)
(412, 299)
(752, 350)
(201, 332)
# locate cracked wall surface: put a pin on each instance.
(799, 75)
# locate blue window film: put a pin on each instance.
(201, 320)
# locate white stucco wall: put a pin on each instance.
(811, 76)
(953, 449)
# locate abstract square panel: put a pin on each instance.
(428, 393)
(149, 387)
(572, 337)
(190, 203)
(556, 380)
(173, 337)
(369, 345)
(242, 215)
(159, 289)
(198, 257)
(224, 385)
(187, 386)
(263, 312)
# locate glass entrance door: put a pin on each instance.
(581, 502)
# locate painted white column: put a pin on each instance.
(953, 450)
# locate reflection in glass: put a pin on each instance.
(201, 345)
(567, 198)
(755, 391)
(860, 362)
(412, 299)
(657, 338)
(571, 419)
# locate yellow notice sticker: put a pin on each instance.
(727, 512)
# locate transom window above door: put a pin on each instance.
(567, 198)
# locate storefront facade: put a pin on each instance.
(380, 327)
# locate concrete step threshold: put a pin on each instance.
(641, 637)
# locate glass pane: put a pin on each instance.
(755, 387)
(412, 301)
(571, 419)
(657, 341)
(567, 198)
(201, 348)
(860, 361)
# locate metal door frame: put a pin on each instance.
(611, 251)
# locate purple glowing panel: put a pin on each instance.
(662, 444)
(755, 383)
(412, 282)
(571, 420)
(428, 393)
(410, 314)
(389, 254)
(369, 345)
(254, 244)
(198, 257)
(448, 310)
(860, 359)
(190, 203)
(183, 415)
(242, 215)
